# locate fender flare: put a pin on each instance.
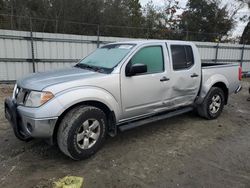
(217, 78)
(73, 96)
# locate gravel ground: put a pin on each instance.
(184, 151)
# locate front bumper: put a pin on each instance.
(26, 127)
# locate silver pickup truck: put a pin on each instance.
(118, 87)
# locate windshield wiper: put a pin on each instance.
(89, 67)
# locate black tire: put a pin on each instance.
(69, 129)
(204, 109)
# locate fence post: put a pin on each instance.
(32, 46)
(12, 12)
(187, 35)
(11, 22)
(98, 36)
(147, 33)
(216, 52)
(242, 55)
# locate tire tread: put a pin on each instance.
(65, 126)
(202, 108)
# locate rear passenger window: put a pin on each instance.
(182, 56)
(151, 56)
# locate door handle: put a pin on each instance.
(194, 75)
(164, 79)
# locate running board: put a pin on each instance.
(131, 125)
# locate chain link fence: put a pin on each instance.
(35, 45)
(24, 23)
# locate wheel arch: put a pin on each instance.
(216, 80)
(224, 88)
(111, 117)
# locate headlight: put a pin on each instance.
(37, 98)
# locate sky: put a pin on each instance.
(239, 27)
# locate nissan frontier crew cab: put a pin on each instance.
(118, 87)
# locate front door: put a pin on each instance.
(143, 93)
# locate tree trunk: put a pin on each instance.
(245, 38)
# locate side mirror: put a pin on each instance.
(136, 69)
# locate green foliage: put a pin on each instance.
(203, 20)
(245, 38)
(152, 18)
(205, 16)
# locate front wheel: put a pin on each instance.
(82, 132)
(213, 104)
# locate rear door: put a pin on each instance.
(185, 74)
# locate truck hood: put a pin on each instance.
(39, 81)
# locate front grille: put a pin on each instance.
(20, 95)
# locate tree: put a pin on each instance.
(245, 38)
(205, 20)
(168, 14)
(125, 13)
(152, 19)
(134, 16)
(162, 22)
(169, 19)
(134, 13)
(2, 5)
(114, 13)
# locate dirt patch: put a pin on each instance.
(184, 151)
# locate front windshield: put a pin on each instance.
(108, 56)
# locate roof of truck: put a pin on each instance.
(153, 41)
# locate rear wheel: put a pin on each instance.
(213, 104)
(82, 132)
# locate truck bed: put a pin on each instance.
(214, 64)
(227, 73)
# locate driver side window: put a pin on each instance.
(151, 56)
